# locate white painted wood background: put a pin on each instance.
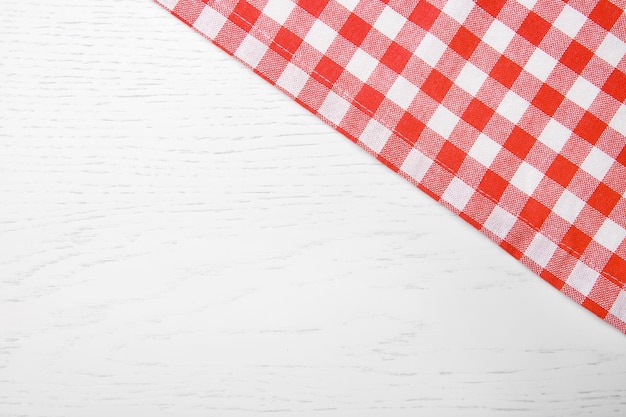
(177, 238)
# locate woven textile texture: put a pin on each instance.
(510, 113)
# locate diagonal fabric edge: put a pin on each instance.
(436, 91)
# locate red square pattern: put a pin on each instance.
(594, 307)
(548, 99)
(396, 57)
(327, 71)
(616, 268)
(410, 128)
(519, 142)
(464, 42)
(621, 158)
(493, 7)
(505, 71)
(424, 15)
(285, 43)
(562, 170)
(534, 28)
(451, 156)
(534, 213)
(369, 99)
(615, 85)
(605, 14)
(315, 7)
(493, 185)
(576, 57)
(245, 15)
(436, 85)
(355, 29)
(311, 77)
(590, 128)
(576, 239)
(604, 199)
(478, 114)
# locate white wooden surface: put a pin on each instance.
(177, 238)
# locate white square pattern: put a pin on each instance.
(610, 235)
(443, 121)
(251, 51)
(582, 278)
(458, 193)
(390, 22)
(554, 135)
(512, 107)
(334, 108)
(348, 4)
(528, 3)
(209, 22)
(540, 64)
(619, 306)
(278, 10)
(527, 178)
(169, 4)
(375, 135)
(568, 206)
(430, 49)
(484, 150)
(416, 164)
(619, 120)
(402, 92)
(583, 93)
(471, 78)
(597, 163)
(541, 250)
(362, 65)
(459, 9)
(570, 21)
(320, 36)
(292, 79)
(498, 36)
(500, 222)
(612, 49)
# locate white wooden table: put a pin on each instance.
(178, 238)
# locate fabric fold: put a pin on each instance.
(511, 114)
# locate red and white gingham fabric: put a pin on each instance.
(511, 113)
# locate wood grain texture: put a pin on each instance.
(178, 238)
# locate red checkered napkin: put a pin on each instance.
(510, 113)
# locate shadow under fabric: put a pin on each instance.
(511, 113)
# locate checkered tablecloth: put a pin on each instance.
(510, 113)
